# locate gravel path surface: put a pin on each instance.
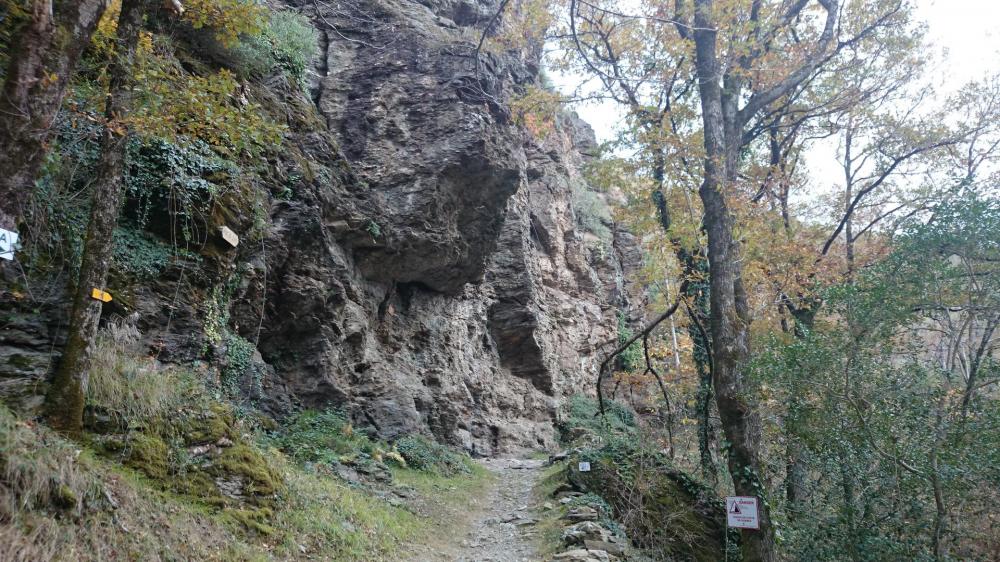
(500, 526)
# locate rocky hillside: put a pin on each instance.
(408, 253)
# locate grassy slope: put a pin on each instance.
(60, 501)
(550, 526)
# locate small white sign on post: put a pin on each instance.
(8, 241)
(741, 512)
(584, 466)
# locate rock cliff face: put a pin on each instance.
(429, 273)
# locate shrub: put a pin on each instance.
(592, 213)
(287, 42)
(320, 437)
(583, 411)
(423, 454)
(139, 255)
(170, 183)
(228, 19)
(239, 363)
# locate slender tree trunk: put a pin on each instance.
(729, 312)
(795, 468)
(977, 360)
(850, 512)
(796, 492)
(848, 195)
(693, 269)
(65, 399)
(795, 473)
(43, 58)
(938, 541)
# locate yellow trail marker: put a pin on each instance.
(100, 295)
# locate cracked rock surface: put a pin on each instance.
(423, 266)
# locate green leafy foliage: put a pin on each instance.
(323, 438)
(212, 108)
(423, 454)
(632, 358)
(287, 42)
(228, 19)
(313, 437)
(239, 366)
(592, 213)
(907, 442)
(141, 256)
(167, 182)
(56, 218)
(173, 102)
(582, 411)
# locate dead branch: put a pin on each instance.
(625, 345)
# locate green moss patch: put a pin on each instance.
(260, 479)
(148, 454)
(207, 426)
(659, 507)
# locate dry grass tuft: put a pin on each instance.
(134, 388)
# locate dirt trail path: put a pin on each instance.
(499, 527)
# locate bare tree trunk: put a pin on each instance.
(65, 399)
(44, 55)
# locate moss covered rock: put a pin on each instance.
(259, 480)
(677, 517)
(200, 454)
(148, 454)
(207, 426)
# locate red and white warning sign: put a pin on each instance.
(741, 512)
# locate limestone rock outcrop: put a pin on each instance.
(428, 272)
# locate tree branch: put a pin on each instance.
(625, 345)
(765, 98)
